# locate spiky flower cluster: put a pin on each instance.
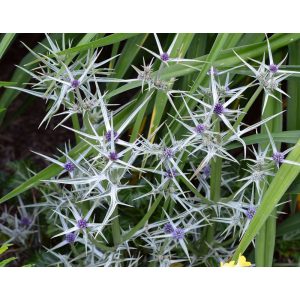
(144, 200)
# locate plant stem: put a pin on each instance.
(215, 185)
(115, 226)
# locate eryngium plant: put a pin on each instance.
(166, 192)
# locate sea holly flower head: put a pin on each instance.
(110, 134)
(200, 128)
(221, 109)
(171, 173)
(269, 76)
(206, 171)
(250, 212)
(25, 221)
(145, 74)
(75, 83)
(69, 166)
(273, 68)
(168, 153)
(82, 224)
(113, 156)
(218, 108)
(168, 228)
(165, 56)
(70, 237)
(178, 233)
(278, 157)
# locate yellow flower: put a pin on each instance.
(229, 264)
(242, 262)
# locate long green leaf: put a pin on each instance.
(284, 137)
(289, 226)
(105, 41)
(5, 42)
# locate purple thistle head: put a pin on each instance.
(171, 173)
(168, 153)
(70, 237)
(273, 68)
(250, 212)
(25, 221)
(278, 157)
(164, 56)
(75, 83)
(219, 108)
(82, 223)
(200, 128)
(113, 156)
(178, 234)
(108, 135)
(69, 166)
(168, 228)
(206, 171)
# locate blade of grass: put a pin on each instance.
(233, 40)
(7, 83)
(289, 226)
(5, 42)
(105, 41)
(283, 137)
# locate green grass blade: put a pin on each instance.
(289, 226)
(233, 40)
(7, 83)
(5, 42)
(105, 41)
(284, 137)
(251, 38)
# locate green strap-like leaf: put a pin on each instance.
(105, 41)
(5, 42)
